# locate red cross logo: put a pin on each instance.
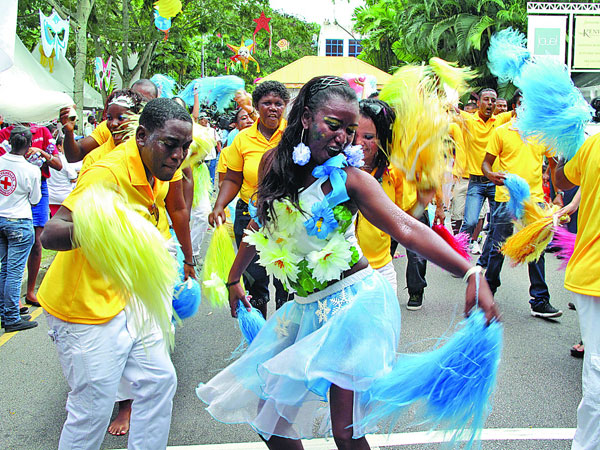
(8, 182)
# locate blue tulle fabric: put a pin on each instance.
(280, 384)
(552, 109)
(507, 54)
(518, 190)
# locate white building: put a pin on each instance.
(337, 40)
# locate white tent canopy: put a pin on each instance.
(27, 91)
(64, 74)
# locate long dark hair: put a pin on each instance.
(282, 177)
(383, 117)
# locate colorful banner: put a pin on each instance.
(586, 49)
(546, 37)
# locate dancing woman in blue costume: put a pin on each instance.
(309, 370)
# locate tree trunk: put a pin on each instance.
(82, 14)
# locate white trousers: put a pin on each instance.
(389, 273)
(199, 223)
(93, 359)
(587, 436)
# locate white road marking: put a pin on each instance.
(380, 441)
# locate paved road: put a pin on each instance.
(538, 384)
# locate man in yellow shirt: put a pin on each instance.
(96, 337)
(477, 129)
(525, 160)
(581, 278)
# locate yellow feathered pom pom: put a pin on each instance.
(203, 142)
(528, 244)
(217, 263)
(168, 8)
(420, 144)
(128, 250)
(453, 76)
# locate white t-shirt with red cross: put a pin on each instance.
(20, 187)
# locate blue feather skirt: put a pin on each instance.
(347, 336)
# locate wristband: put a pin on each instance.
(233, 283)
(471, 271)
(187, 263)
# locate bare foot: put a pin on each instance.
(120, 425)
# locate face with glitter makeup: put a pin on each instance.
(331, 128)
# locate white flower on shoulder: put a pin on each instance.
(328, 263)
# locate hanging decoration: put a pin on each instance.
(243, 54)
(103, 72)
(283, 45)
(262, 23)
(162, 24)
(168, 8)
(55, 36)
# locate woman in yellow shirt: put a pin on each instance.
(243, 158)
(374, 134)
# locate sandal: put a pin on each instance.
(577, 350)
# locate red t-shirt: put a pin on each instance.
(40, 138)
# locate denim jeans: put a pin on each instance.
(503, 228)
(16, 239)
(416, 266)
(256, 279)
(212, 167)
(477, 192)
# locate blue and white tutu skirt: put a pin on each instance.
(345, 335)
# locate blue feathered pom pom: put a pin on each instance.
(455, 381)
(519, 193)
(250, 322)
(507, 54)
(218, 90)
(165, 85)
(186, 298)
(552, 109)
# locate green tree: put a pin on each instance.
(455, 30)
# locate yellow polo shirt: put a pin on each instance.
(98, 153)
(102, 134)
(476, 134)
(222, 164)
(584, 266)
(513, 155)
(72, 290)
(458, 169)
(246, 151)
(374, 243)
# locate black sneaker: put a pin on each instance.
(545, 310)
(23, 317)
(19, 326)
(415, 302)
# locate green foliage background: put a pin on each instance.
(111, 32)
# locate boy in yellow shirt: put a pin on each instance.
(515, 156)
